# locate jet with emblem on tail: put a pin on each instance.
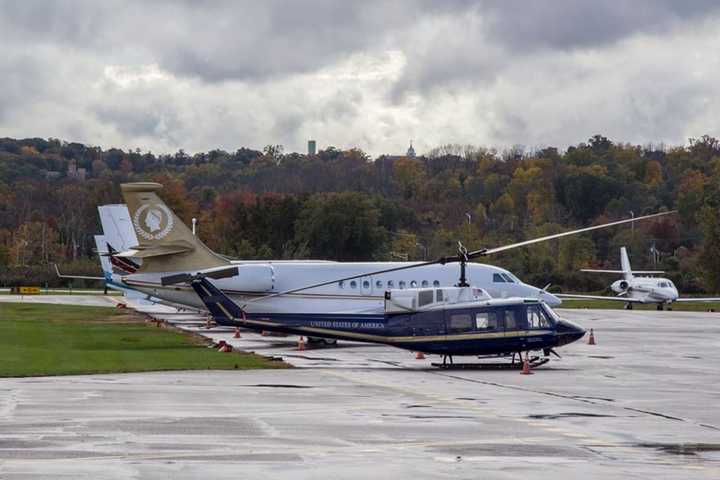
(632, 289)
(167, 248)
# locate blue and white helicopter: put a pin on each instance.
(450, 321)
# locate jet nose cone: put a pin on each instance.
(568, 332)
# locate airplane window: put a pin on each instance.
(436, 283)
(425, 283)
(353, 284)
(438, 295)
(378, 283)
(497, 278)
(662, 284)
(391, 284)
(413, 284)
(366, 284)
(425, 297)
(507, 278)
(486, 321)
(401, 284)
(536, 317)
(341, 284)
(461, 322)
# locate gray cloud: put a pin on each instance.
(164, 75)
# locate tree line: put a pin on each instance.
(344, 205)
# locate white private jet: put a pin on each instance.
(644, 290)
(169, 250)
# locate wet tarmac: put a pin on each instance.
(642, 403)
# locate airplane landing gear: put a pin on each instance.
(660, 307)
(628, 306)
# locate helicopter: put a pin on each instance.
(449, 321)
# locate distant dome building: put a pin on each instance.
(411, 151)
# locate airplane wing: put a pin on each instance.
(596, 297)
(698, 299)
(57, 270)
(644, 272)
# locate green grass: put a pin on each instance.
(44, 339)
(614, 305)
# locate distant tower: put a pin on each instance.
(410, 151)
(311, 147)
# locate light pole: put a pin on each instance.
(632, 224)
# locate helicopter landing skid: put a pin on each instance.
(534, 363)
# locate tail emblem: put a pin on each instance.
(149, 219)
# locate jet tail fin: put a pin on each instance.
(165, 243)
(625, 264)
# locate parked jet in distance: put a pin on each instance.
(643, 290)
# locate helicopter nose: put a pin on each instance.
(568, 332)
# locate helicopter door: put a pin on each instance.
(366, 286)
(516, 326)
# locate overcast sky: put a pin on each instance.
(165, 75)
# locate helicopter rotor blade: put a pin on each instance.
(462, 256)
(504, 248)
(188, 277)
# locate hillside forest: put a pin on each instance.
(344, 205)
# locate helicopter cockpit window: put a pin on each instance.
(425, 297)
(497, 278)
(515, 319)
(460, 322)
(486, 321)
(536, 317)
(507, 278)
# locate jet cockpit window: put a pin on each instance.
(536, 317)
(497, 278)
(507, 278)
(663, 285)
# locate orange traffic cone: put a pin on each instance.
(591, 339)
(526, 367)
(420, 356)
(237, 333)
(301, 344)
(220, 345)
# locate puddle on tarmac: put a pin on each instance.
(567, 415)
(682, 448)
(278, 385)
